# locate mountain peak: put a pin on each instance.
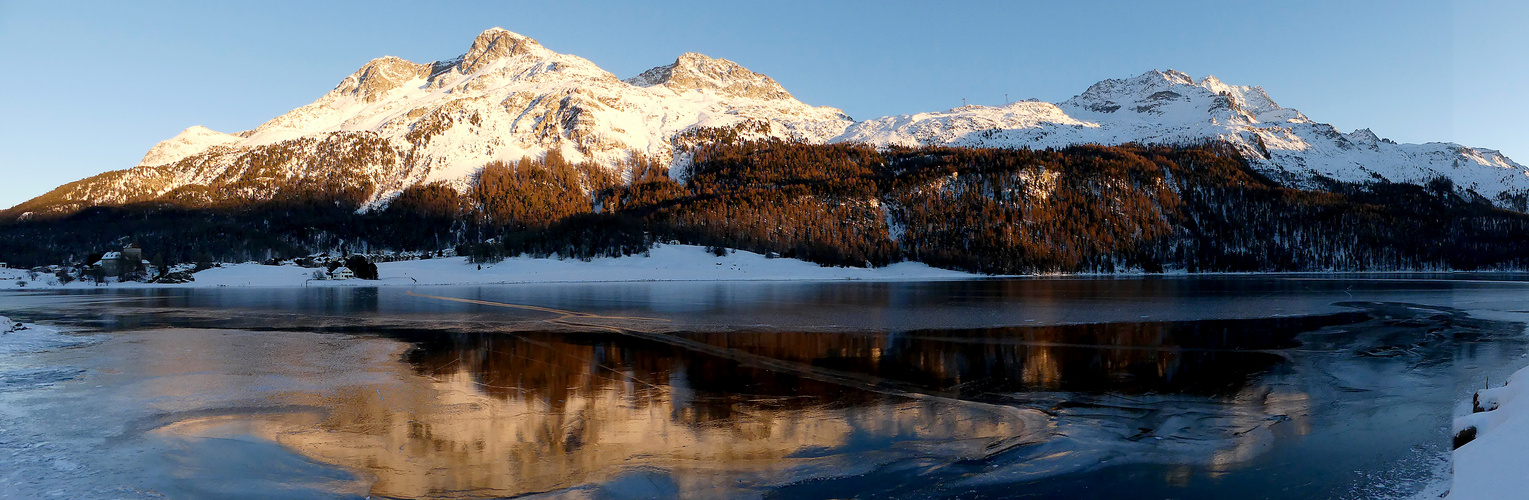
(693, 59)
(1113, 94)
(195, 139)
(1363, 136)
(1171, 76)
(379, 76)
(494, 44)
(693, 71)
(1152, 90)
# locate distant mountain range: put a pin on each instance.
(395, 124)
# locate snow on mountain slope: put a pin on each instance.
(1172, 108)
(509, 97)
(191, 141)
(394, 123)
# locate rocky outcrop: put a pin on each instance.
(373, 81)
(697, 72)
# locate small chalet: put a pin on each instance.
(341, 273)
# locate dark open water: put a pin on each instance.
(1250, 387)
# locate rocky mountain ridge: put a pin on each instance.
(393, 124)
(1170, 107)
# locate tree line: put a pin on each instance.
(1083, 208)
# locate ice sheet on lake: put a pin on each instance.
(17, 338)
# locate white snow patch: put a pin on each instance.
(18, 338)
(193, 140)
(662, 263)
(1494, 464)
(24, 279)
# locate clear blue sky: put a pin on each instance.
(92, 85)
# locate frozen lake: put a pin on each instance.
(1186, 387)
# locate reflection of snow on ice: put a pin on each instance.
(34, 463)
(80, 432)
(20, 339)
(1421, 470)
(17, 339)
(1112, 429)
(32, 377)
(186, 395)
(1221, 435)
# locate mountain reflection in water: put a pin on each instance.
(514, 413)
(922, 390)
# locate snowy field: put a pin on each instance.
(663, 263)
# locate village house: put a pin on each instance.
(128, 260)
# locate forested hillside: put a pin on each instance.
(1077, 209)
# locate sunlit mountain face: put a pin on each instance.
(394, 124)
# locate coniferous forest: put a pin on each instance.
(1077, 209)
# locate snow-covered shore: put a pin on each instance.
(663, 263)
(1492, 464)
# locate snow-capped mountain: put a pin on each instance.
(189, 142)
(395, 123)
(509, 97)
(1172, 108)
